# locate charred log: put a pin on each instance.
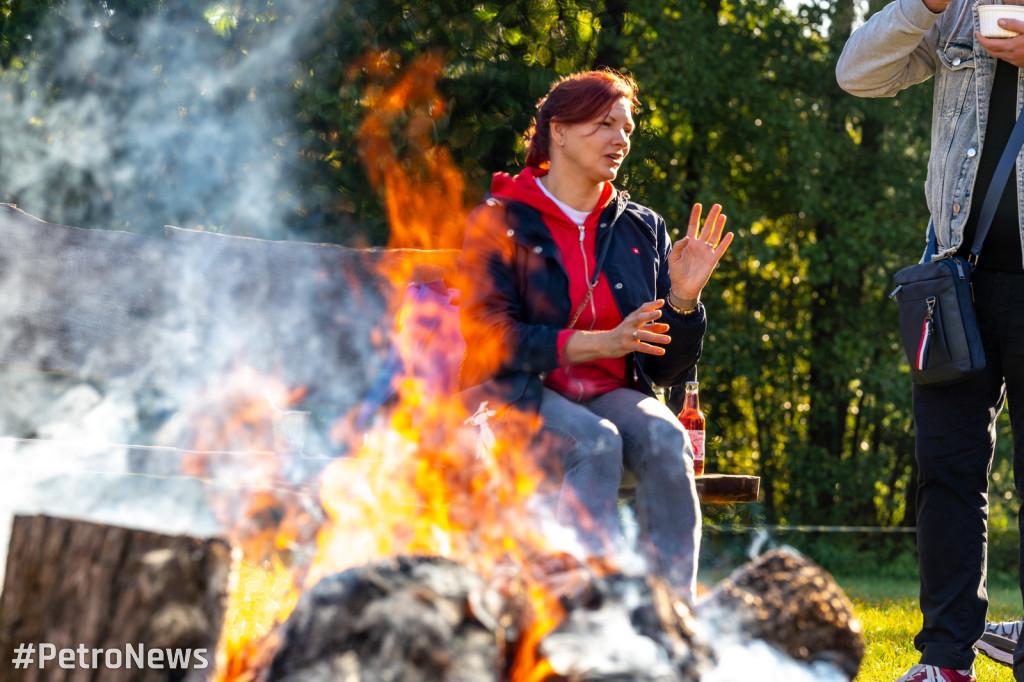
(431, 619)
(421, 619)
(627, 629)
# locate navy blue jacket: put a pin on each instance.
(515, 298)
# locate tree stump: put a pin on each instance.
(92, 589)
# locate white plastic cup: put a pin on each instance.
(989, 16)
(290, 429)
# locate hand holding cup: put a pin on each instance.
(1000, 21)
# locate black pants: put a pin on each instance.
(955, 440)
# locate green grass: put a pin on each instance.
(889, 615)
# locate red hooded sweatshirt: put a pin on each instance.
(582, 381)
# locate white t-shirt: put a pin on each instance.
(577, 217)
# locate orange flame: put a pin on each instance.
(421, 485)
(432, 479)
(423, 189)
(238, 448)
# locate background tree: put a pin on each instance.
(802, 378)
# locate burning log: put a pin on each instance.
(75, 584)
(409, 619)
(621, 627)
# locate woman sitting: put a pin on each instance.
(575, 304)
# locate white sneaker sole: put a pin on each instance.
(999, 649)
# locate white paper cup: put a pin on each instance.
(989, 16)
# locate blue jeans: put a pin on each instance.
(625, 428)
(955, 441)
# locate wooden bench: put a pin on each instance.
(172, 312)
(714, 488)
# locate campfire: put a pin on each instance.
(423, 548)
(429, 552)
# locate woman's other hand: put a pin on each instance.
(638, 332)
(694, 257)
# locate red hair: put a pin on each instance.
(579, 98)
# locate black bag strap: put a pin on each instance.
(996, 187)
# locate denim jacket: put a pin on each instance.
(904, 44)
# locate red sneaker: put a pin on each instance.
(930, 673)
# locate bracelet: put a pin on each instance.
(685, 307)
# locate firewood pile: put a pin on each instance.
(411, 619)
(422, 618)
(432, 620)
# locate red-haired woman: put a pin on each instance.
(575, 303)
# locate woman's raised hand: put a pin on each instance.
(694, 257)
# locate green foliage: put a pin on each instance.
(18, 21)
(248, 116)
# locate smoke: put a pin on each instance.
(133, 122)
(136, 121)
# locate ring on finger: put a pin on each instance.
(636, 334)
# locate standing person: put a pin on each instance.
(575, 302)
(975, 106)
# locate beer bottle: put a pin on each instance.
(692, 420)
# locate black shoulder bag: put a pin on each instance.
(936, 303)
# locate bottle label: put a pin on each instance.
(697, 440)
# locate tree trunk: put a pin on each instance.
(119, 604)
(609, 44)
